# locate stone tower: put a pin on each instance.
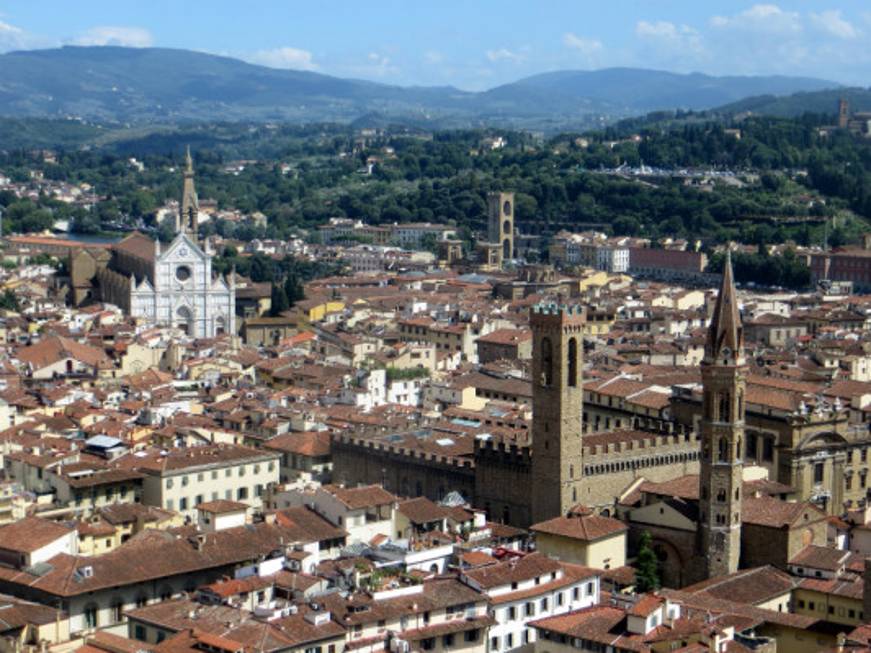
(722, 433)
(188, 220)
(500, 223)
(557, 407)
(843, 113)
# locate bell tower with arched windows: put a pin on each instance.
(724, 372)
(500, 224)
(557, 406)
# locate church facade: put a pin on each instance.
(171, 285)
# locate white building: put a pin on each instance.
(529, 588)
(172, 286)
(612, 258)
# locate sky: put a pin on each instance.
(470, 44)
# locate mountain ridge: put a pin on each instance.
(153, 85)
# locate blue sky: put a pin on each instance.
(471, 44)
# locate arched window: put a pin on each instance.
(737, 493)
(573, 362)
(724, 414)
(740, 414)
(117, 610)
(546, 361)
(90, 614)
(723, 450)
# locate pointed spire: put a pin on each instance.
(190, 204)
(725, 341)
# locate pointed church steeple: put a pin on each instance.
(725, 342)
(188, 221)
(724, 381)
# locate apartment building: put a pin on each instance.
(180, 479)
(522, 590)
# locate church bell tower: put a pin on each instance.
(724, 373)
(188, 217)
(557, 407)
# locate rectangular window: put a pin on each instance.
(494, 643)
(768, 449)
(819, 471)
(529, 609)
(427, 644)
(545, 604)
(139, 632)
(214, 474)
(183, 503)
(242, 493)
(509, 640)
(471, 636)
(448, 641)
(512, 613)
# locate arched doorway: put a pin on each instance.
(184, 320)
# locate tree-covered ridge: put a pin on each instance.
(788, 172)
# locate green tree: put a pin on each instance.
(9, 301)
(278, 300)
(293, 289)
(646, 565)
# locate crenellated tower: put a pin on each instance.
(724, 373)
(557, 407)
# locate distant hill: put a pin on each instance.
(796, 104)
(158, 85)
(634, 90)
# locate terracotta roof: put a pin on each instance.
(586, 528)
(768, 511)
(421, 510)
(31, 533)
(750, 586)
(514, 571)
(136, 244)
(221, 506)
(54, 349)
(306, 443)
(820, 557)
(361, 497)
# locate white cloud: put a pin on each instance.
(131, 37)
(11, 37)
(433, 57)
(832, 23)
(761, 18)
(585, 45)
(669, 36)
(290, 58)
(504, 54)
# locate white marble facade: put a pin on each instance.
(184, 294)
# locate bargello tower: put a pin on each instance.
(557, 398)
(724, 373)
